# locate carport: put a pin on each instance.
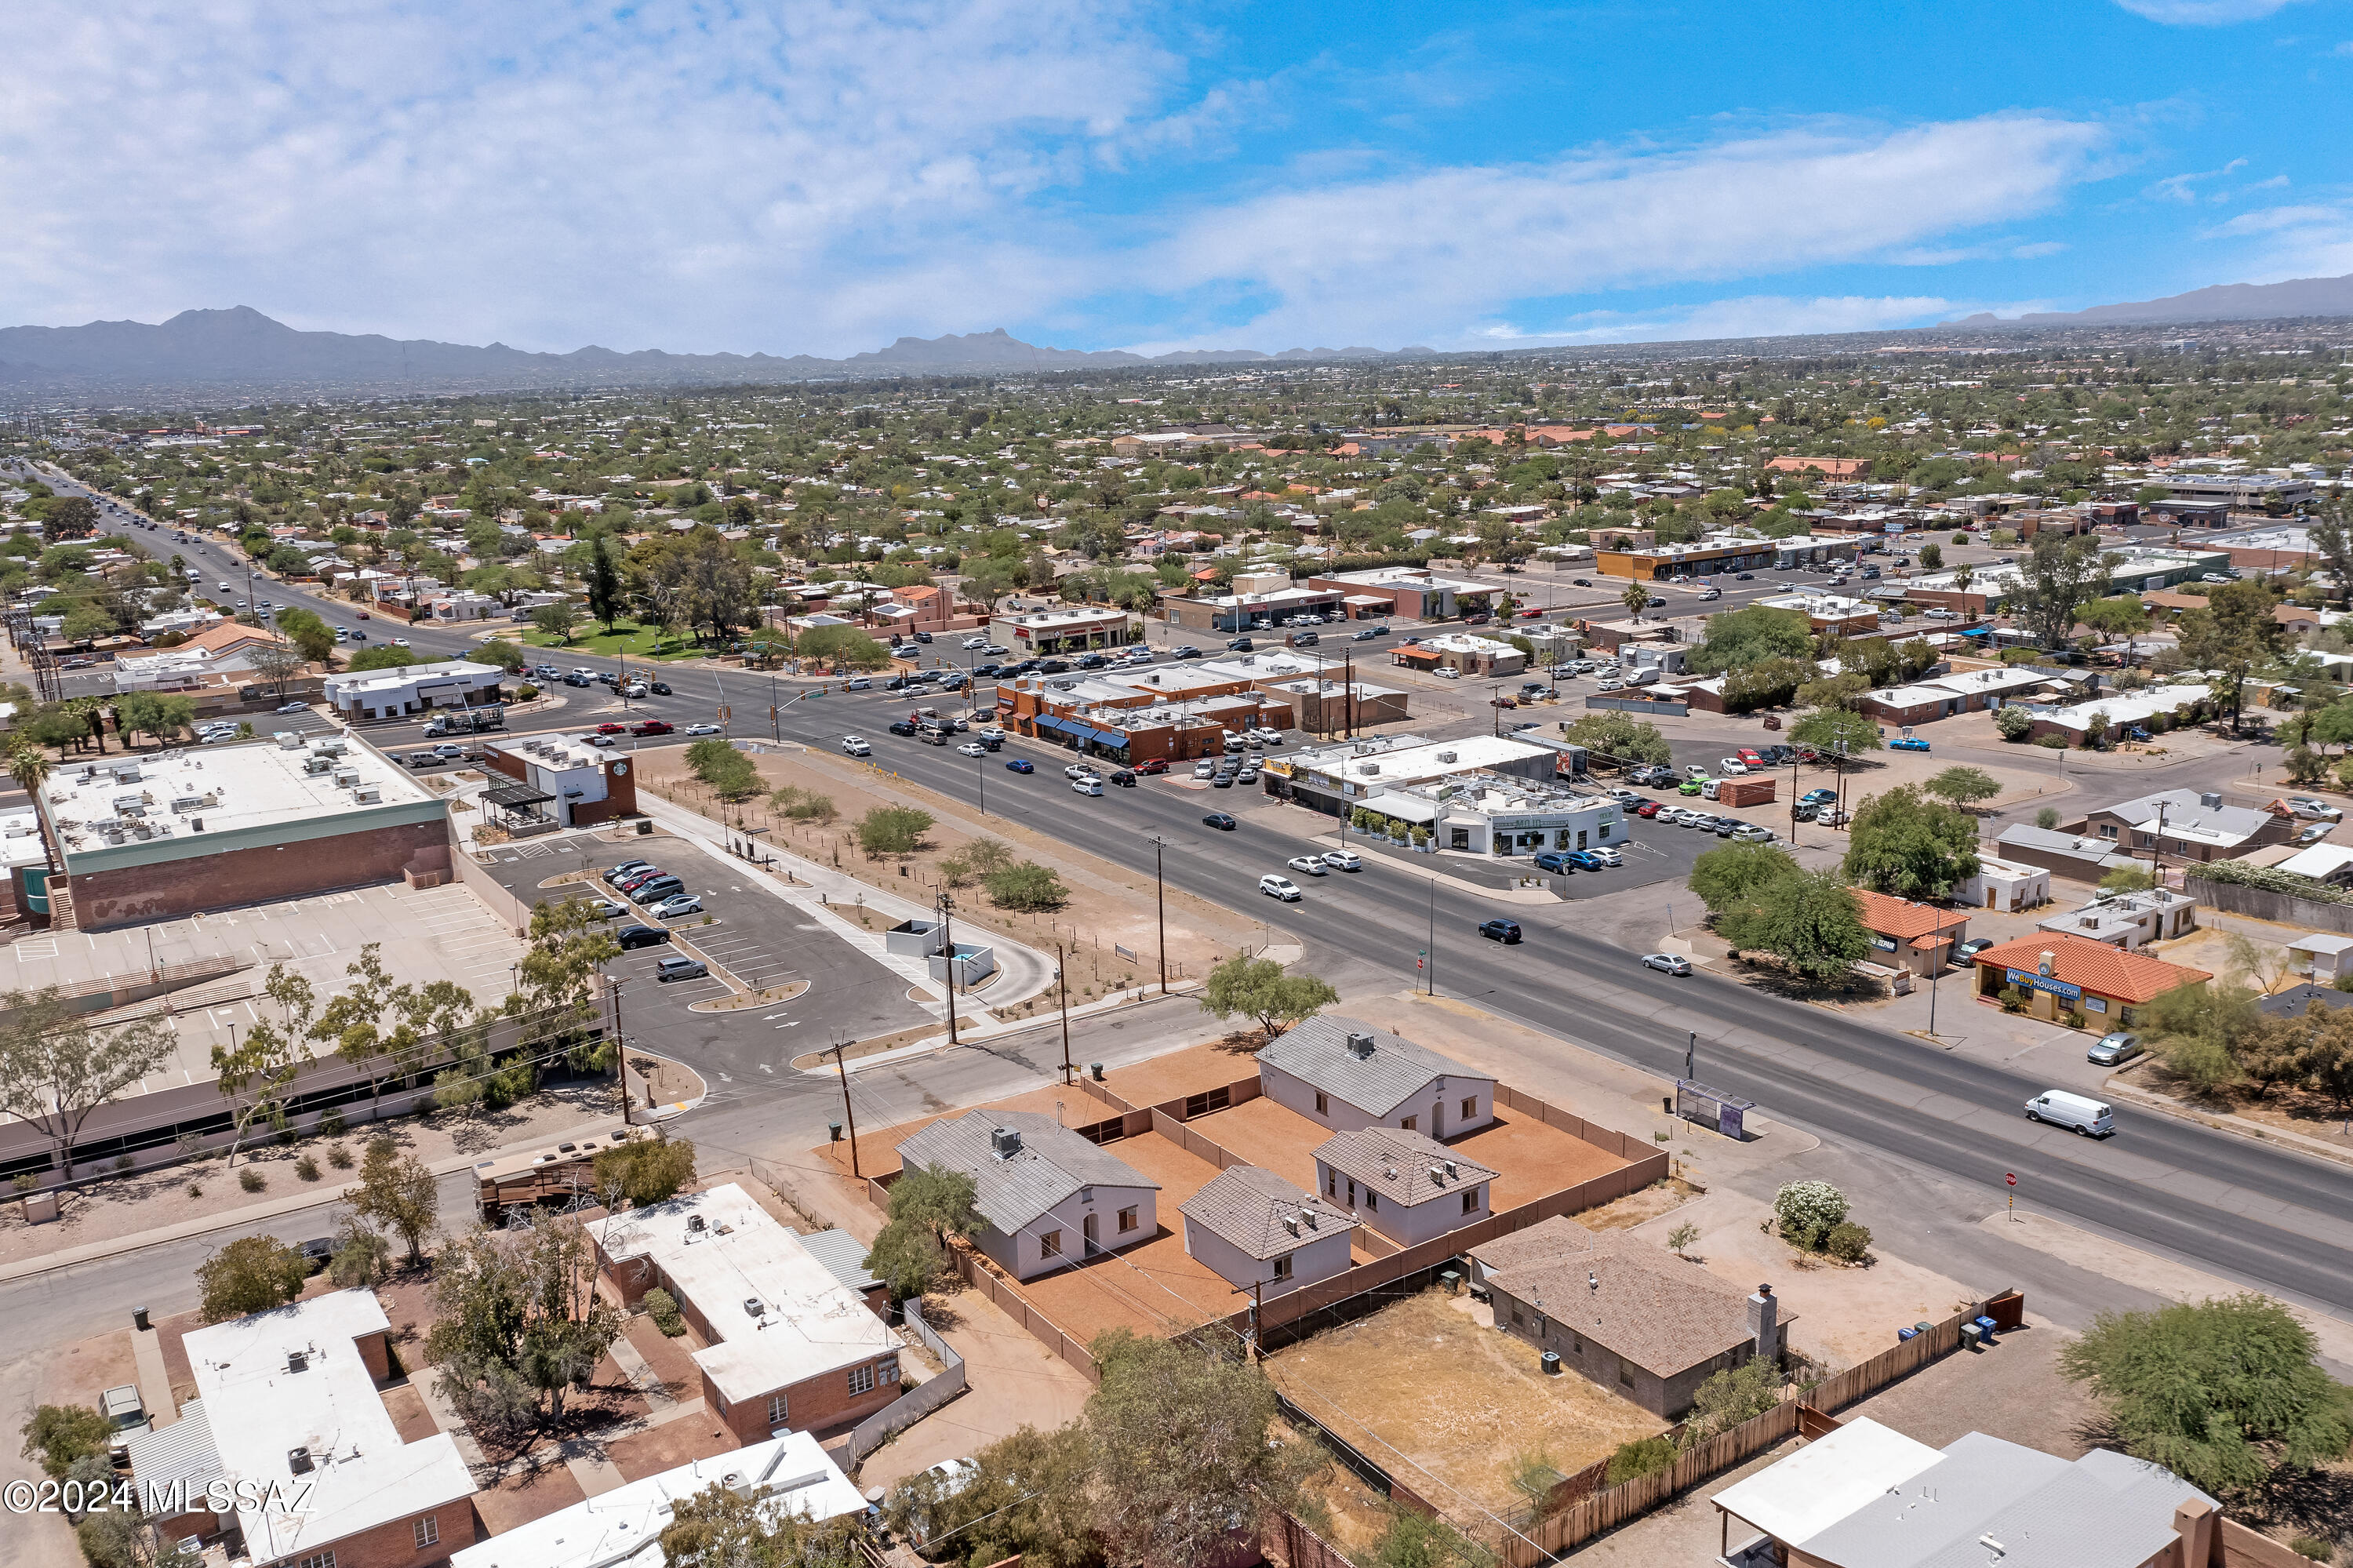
(518, 805)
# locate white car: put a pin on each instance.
(990, 732)
(700, 729)
(1087, 785)
(599, 740)
(678, 903)
(1280, 887)
(1731, 765)
(1754, 833)
(1668, 963)
(975, 644)
(1606, 855)
(1345, 860)
(1449, 672)
(1308, 864)
(1079, 771)
(1204, 768)
(400, 642)
(972, 748)
(854, 746)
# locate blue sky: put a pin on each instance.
(823, 177)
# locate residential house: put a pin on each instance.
(2322, 956)
(1260, 1232)
(1622, 1313)
(319, 1473)
(2129, 920)
(2185, 826)
(2115, 712)
(2068, 854)
(1866, 1495)
(1343, 1076)
(2064, 973)
(786, 1343)
(1051, 1199)
(1402, 1183)
(2003, 885)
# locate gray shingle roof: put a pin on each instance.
(1052, 1163)
(1254, 1209)
(1661, 1313)
(1317, 1051)
(1397, 1164)
(2104, 1510)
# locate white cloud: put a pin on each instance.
(1382, 257)
(2307, 240)
(2203, 13)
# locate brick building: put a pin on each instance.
(790, 1346)
(577, 785)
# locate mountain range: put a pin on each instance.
(2223, 302)
(242, 348)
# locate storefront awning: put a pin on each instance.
(515, 797)
(1100, 737)
(1057, 727)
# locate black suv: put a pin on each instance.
(901, 726)
(1053, 666)
(1505, 931)
(631, 936)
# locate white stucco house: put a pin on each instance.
(1254, 1227)
(1344, 1074)
(1051, 1199)
(1403, 1184)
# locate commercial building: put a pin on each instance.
(1258, 1231)
(2065, 973)
(1829, 612)
(1622, 1314)
(2241, 491)
(2004, 887)
(147, 838)
(2275, 549)
(217, 659)
(1333, 779)
(1051, 1199)
(1343, 1075)
(412, 689)
(560, 781)
(1414, 592)
(1061, 630)
(2129, 920)
(1911, 936)
(789, 1474)
(1488, 814)
(318, 1474)
(1721, 553)
(1942, 697)
(1239, 612)
(1466, 651)
(1402, 1183)
(788, 1345)
(1865, 1496)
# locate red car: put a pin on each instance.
(1749, 756)
(651, 727)
(1647, 809)
(1532, 614)
(1151, 765)
(612, 730)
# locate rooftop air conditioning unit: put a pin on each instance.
(1446, 756)
(1360, 1045)
(1005, 1142)
(1370, 768)
(367, 795)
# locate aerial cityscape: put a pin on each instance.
(1225, 776)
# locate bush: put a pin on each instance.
(2047, 817)
(892, 830)
(1805, 1213)
(252, 1181)
(307, 1167)
(1847, 1241)
(1638, 1458)
(60, 1434)
(662, 1308)
(1027, 887)
(339, 1157)
(526, 692)
(2013, 722)
(2311, 1546)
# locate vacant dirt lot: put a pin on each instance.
(1450, 1407)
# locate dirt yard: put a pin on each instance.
(1109, 907)
(1452, 1407)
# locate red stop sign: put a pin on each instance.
(2010, 1178)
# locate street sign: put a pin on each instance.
(2011, 1178)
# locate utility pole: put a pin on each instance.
(620, 1051)
(1062, 994)
(1433, 935)
(2156, 850)
(1160, 899)
(947, 944)
(848, 1115)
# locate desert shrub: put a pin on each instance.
(1638, 1458)
(662, 1308)
(1847, 1241)
(252, 1181)
(1805, 1213)
(307, 1167)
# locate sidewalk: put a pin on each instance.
(237, 1219)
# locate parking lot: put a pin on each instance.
(746, 929)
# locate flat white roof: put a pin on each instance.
(20, 841)
(1826, 1480)
(361, 1475)
(1411, 764)
(791, 1474)
(354, 683)
(2320, 861)
(811, 1323)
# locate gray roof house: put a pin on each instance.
(1867, 1496)
(2183, 824)
(1255, 1228)
(2072, 855)
(1051, 1199)
(1403, 1184)
(1344, 1074)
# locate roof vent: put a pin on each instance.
(1360, 1045)
(1005, 1142)
(1445, 756)
(297, 1460)
(1437, 1175)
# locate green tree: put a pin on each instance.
(1735, 876)
(1259, 989)
(1828, 730)
(252, 1273)
(2334, 541)
(1620, 737)
(892, 830)
(907, 1260)
(2120, 615)
(2224, 1394)
(2058, 576)
(1725, 1399)
(720, 1528)
(500, 654)
(2012, 722)
(2234, 636)
(1963, 786)
(1026, 886)
(1839, 691)
(58, 1435)
(604, 584)
(313, 636)
(1809, 921)
(1914, 848)
(381, 656)
(1750, 635)
(397, 1193)
(558, 620)
(57, 1069)
(255, 1074)
(1765, 683)
(842, 645)
(2128, 879)
(937, 1200)
(1028, 1495)
(1931, 557)
(648, 1172)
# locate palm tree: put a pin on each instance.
(1637, 599)
(30, 766)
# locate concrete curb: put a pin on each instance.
(2301, 1143)
(973, 1039)
(292, 1203)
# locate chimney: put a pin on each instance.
(1005, 1142)
(1764, 1322)
(2193, 1522)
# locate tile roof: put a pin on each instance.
(1902, 918)
(1625, 1294)
(1397, 1164)
(2096, 967)
(1051, 1163)
(1316, 1051)
(1256, 1210)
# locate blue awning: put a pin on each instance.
(1101, 737)
(1057, 726)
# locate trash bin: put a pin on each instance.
(1903, 1334)
(1096, 1068)
(834, 1129)
(138, 1319)
(1985, 1328)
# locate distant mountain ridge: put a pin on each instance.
(242, 347)
(2221, 303)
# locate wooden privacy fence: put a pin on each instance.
(1607, 1509)
(1623, 1145)
(1298, 1546)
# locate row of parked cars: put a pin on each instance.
(660, 896)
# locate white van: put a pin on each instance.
(1648, 676)
(1707, 790)
(2079, 1114)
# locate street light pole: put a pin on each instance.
(947, 944)
(1160, 901)
(1433, 935)
(1062, 994)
